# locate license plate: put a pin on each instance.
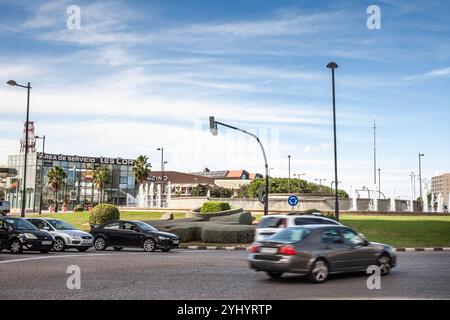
(176, 241)
(45, 243)
(87, 241)
(268, 250)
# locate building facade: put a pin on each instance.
(78, 186)
(441, 185)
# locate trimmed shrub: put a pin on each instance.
(238, 218)
(103, 213)
(311, 211)
(215, 206)
(222, 233)
(187, 233)
(78, 208)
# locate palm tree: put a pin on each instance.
(100, 178)
(141, 169)
(56, 177)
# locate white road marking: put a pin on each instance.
(61, 256)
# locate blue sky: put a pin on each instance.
(141, 74)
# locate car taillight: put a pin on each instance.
(254, 249)
(289, 250)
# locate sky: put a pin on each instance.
(138, 75)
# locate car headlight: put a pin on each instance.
(163, 238)
(73, 236)
(29, 236)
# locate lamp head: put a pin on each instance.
(213, 126)
(332, 65)
(12, 83)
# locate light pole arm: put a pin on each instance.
(266, 166)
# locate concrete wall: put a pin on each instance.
(279, 203)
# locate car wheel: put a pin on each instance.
(384, 262)
(319, 271)
(83, 249)
(149, 245)
(118, 248)
(59, 245)
(44, 251)
(100, 243)
(16, 246)
(274, 275)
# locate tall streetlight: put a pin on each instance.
(332, 182)
(24, 191)
(213, 127)
(162, 173)
(332, 66)
(42, 171)
(270, 169)
(289, 173)
(413, 184)
(320, 181)
(420, 175)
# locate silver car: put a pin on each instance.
(317, 251)
(66, 236)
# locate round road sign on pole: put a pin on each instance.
(293, 200)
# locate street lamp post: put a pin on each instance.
(320, 181)
(332, 66)
(289, 173)
(161, 192)
(24, 190)
(42, 171)
(420, 176)
(213, 127)
(379, 183)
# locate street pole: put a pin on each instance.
(213, 127)
(24, 189)
(161, 192)
(42, 172)
(420, 175)
(289, 173)
(379, 183)
(332, 66)
(375, 151)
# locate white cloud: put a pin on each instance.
(320, 148)
(436, 73)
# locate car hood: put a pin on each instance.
(167, 234)
(381, 245)
(74, 233)
(40, 234)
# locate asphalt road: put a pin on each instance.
(200, 274)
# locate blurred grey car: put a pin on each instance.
(318, 251)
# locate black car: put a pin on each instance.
(18, 234)
(120, 234)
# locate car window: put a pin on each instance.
(270, 222)
(330, 236)
(60, 225)
(351, 236)
(20, 224)
(112, 225)
(291, 235)
(304, 221)
(128, 226)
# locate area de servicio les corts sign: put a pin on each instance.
(83, 159)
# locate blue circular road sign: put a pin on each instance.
(293, 200)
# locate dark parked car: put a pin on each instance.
(120, 234)
(18, 234)
(317, 251)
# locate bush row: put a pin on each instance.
(215, 206)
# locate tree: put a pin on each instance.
(56, 177)
(100, 178)
(141, 169)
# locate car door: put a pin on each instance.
(4, 234)
(360, 255)
(334, 249)
(112, 233)
(129, 234)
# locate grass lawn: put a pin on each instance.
(80, 219)
(403, 231)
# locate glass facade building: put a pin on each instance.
(78, 186)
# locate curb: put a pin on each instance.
(245, 248)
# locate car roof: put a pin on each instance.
(41, 218)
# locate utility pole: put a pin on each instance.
(379, 183)
(289, 173)
(420, 175)
(375, 151)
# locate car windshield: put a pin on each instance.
(144, 226)
(60, 225)
(20, 224)
(290, 235)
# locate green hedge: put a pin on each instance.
(103, 213)
(244, 218)
(215, 206)
(221, 233)
(187, 233)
